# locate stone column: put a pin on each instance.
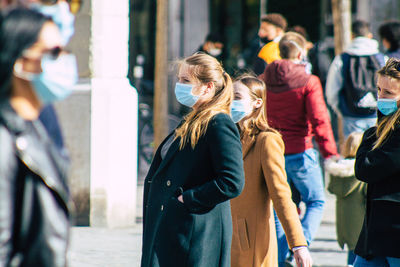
(113, 118)
(196, 19)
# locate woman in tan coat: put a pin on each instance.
(254, 238)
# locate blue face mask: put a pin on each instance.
(183, 93)
(56, 80)
(387, 106)
(62, 17)
(238, 111)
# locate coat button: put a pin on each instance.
(162, 207)
(168, 183)
(21, 143)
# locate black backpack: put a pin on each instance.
(359, 93)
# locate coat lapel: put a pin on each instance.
(170, 155)
(158, 164)
(247, 143)
(41, 161)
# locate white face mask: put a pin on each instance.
(215, 52)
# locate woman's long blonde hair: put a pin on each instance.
(387, 124)
(205, 69)
(258, 119)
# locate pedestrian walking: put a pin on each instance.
(351, 86)
(378, 165)
(34, 215)
(263, 48)
(195, 172)
(254, 237)
(272, 28)
(390, 36)
(350, 196)
(296, 108)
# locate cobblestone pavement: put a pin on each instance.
(92, 247)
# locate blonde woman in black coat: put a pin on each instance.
(378, 164)
(196, 170)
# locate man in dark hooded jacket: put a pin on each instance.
(296, 108)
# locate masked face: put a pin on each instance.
(52, 74)
(242, 105)
(214, 49)
(189, 91)
(268, 32)
(215, 52)
(238, 110)
(388, 95)
(62, 17)
(184, 95)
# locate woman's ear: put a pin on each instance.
(210, 88)
(258, 103)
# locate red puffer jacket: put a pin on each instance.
(296, 107)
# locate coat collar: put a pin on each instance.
(43, 161)
(247, 143)
(11, 120)
(159, 164)
(170, 154)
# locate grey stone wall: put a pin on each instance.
(74, 116)
(80, 42)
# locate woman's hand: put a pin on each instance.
(302, 257)
(180, 198)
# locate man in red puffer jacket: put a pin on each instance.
(296, 108)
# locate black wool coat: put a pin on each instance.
(198, 232)
(380, 169)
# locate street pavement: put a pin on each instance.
(92, 247)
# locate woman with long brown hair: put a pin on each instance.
(195, 171)
(254, 239)
(378, 164)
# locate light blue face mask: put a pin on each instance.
(62, 17)
(183, 93)
(238, 111)
(56, 80)
(387, 106)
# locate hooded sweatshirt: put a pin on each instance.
(296, 108)
(361, 46)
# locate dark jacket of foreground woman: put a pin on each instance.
(380, 169)
(198, 232)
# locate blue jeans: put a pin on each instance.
(304, 170)
(351, 257)
(351, 124)
(377, 262)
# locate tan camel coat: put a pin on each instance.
(254, 237)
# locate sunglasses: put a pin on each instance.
(74, 5)
(54, 52)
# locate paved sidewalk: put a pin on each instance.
(325, 250)
(95, 247)
(92, 247)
